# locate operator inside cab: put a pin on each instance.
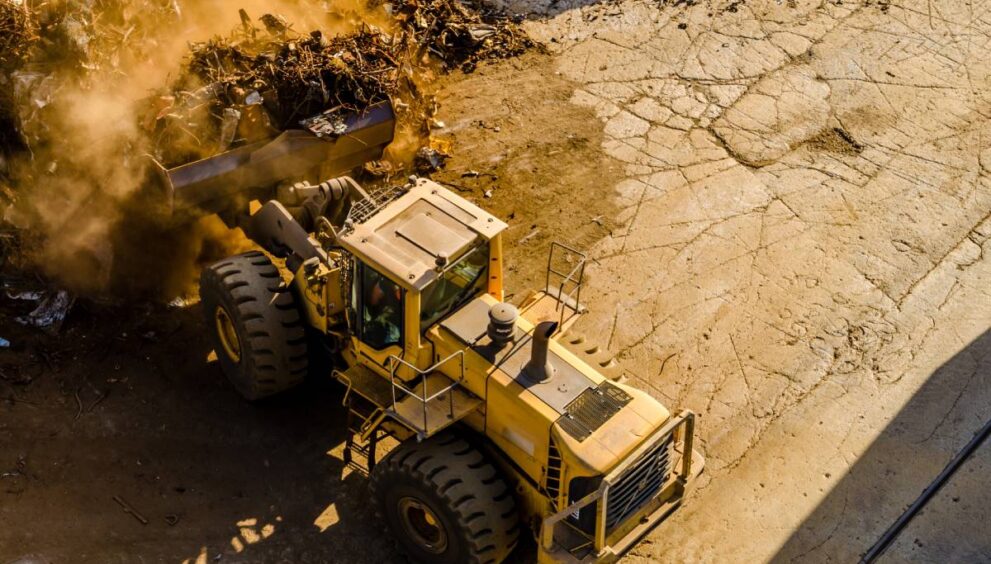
(382, 314)
(382, 299)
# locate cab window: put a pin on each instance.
(459, 283)
(381, 310)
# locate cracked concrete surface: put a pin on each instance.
(805, 212)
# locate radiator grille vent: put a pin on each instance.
(641, 482)
(592, 409)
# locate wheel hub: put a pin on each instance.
(422, 525)
(228, 335)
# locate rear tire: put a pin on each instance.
(444, 503)
(255, 325)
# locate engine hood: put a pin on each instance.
(594, 422)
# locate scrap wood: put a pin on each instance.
(82, 408)
(272, 75)
(533, 233)
(130, 510)
(18, 33)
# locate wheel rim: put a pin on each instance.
(228, 335)
(422, 525)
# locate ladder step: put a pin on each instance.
(367, 384)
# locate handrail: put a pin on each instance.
(424, 399)
(576, 276)
(342, 376)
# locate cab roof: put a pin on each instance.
(407, 237)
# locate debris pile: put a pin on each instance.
(304, 77)
(66, 47)
(255, 83)
(460, 34)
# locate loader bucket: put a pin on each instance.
(226, 182)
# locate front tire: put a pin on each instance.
(445, 503)
(255, 325)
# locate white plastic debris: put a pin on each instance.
(253, 99)
(481, 32)
(50, 313)
(27, 295)
(34, 89)
(4, 343)
(228, 129)
(75, 32)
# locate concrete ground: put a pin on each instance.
(800, 260)
(788, 205)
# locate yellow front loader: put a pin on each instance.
(506, 424)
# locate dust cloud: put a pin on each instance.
(84, 97)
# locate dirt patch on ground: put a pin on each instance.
(835, 140)
(531, 158)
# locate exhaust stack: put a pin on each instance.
(540, 369)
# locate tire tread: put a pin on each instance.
(452, 469)
(271, 330)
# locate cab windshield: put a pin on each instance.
(459, 283)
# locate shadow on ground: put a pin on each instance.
(939, 419)
(128, 404)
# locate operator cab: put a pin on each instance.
(418, 258)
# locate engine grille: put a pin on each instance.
(641, 482)
(589, 411)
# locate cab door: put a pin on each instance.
(378, 320)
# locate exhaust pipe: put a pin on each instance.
(540, 369)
